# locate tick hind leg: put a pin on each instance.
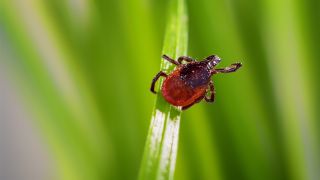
(155, 79)
(170, 60)
(229, 69)
(185, 58)
(212, 93)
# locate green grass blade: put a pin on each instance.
(162, 142)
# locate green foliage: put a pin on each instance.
(82, 69)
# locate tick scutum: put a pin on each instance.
(195, 74)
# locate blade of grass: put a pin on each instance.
(293, 90)
(53, 92)
(162, 142)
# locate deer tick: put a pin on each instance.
(191, 82)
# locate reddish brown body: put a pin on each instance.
(178, 91)
(189, 83)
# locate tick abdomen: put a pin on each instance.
(180, 91)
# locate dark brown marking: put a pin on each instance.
(155, 79)
(185, 58)
(229, 69)
(170, 60)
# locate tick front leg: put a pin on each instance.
(155, 79)
(170, 60)
(212, 92)
(185, 58)
(228, 69)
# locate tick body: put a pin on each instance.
(191, 82)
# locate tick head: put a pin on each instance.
(212, 61)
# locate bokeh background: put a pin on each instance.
(75, 100)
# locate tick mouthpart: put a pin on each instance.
(212, 61)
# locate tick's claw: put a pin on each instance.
(165, 57)
(237, 64)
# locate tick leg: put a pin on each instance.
(185, 58)
(155, 79)
(170, 60)
(211, 98)
(228, 69)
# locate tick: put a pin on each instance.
(191, 82)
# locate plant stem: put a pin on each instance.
(161, 147)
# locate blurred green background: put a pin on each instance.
(75, 100)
